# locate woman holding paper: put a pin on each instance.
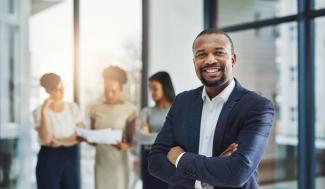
(111, 162)
(56, 121)
(150, 122)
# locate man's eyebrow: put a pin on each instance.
(217, 48)
(220, 48)
(199, 51)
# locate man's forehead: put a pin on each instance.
(213, 37)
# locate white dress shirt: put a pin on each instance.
(209, 118)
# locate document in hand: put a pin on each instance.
(101, 136)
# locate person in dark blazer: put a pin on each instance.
(204, 121)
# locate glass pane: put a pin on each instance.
(320, 102)
(232, 12)
(51, 48)
(267, 63)
(108, 36)
(319, 4)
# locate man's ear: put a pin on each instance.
(233, 60)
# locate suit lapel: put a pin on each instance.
(195, 121)
(234, 97)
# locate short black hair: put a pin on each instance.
(215, 31)
(164, 79)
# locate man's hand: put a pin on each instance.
(173, 154)
(230, 150)
(176, 151)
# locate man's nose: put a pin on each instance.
(211, 59)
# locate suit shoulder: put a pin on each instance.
(257, 98)
(190, 93)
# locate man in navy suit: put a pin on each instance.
(203, 122)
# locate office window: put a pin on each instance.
(320, 102)
(110, 34)
(266, 58)
(110, 37)
(231, 12)
(51, 48)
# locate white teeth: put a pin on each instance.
(212, 70)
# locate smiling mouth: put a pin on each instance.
(212, 70)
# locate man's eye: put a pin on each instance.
(219, 53)
(200, 55)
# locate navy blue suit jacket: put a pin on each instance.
(246, 118)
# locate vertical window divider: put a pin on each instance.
(306, 96)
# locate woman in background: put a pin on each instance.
(111, 161)
(56, 120)
(150, 122)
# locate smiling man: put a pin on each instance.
(203, 122)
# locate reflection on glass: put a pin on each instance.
(320, 102)
(232, 12)
(267, 63)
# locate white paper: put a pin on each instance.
(101, 136)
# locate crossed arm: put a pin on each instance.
(231, 171)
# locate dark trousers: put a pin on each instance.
(58, 168)
(149, 182)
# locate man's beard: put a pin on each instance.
(217, 83)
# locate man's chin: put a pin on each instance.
(211, 83)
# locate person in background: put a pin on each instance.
(111, 161)
(56, 120)
(151, 120)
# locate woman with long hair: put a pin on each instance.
(150, 122)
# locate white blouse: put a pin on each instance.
(63, 123)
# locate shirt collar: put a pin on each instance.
(224, 95)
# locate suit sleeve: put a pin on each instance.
(158, 164)
(235, 170)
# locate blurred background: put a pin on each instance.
(280, 47)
